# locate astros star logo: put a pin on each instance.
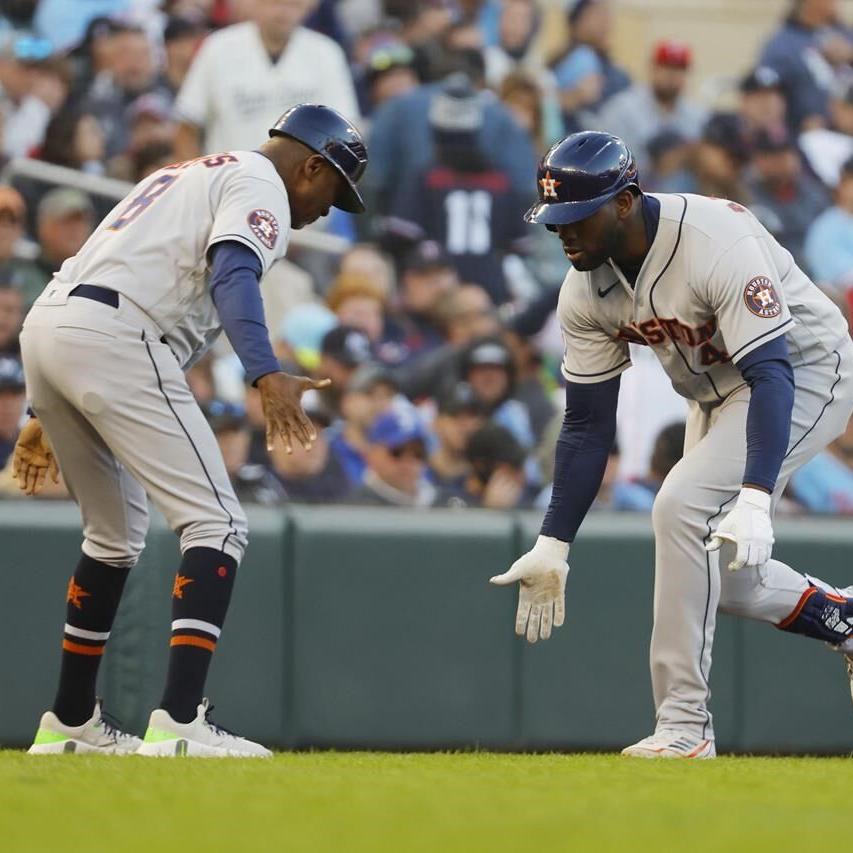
(549, 186)
(180, 583)
(76, 594)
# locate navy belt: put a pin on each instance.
(99, 294)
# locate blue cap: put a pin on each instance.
(396, 427)
(11, 374)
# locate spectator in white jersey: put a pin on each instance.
(225, 104)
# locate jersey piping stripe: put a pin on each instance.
(652, 301)
(730, 499)
(233, 531)
(775, 329)
(601, 372)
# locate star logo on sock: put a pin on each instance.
(180, 583)
(76, 594)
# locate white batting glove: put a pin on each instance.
(541, 574)
(748, 526)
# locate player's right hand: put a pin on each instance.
(33, 459)
(541, 574)
(281, 398)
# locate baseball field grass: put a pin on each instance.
(329, 801)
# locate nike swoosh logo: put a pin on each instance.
(603, 293)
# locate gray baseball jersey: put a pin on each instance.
(714, 286)
(152, 247)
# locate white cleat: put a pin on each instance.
(669, 743)
(201, 738)
(95, 735)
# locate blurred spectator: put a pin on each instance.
(181, 40)
(826, 149)
(427, 276)
(586, 76)
(14, 249)
(65, 220)
(400, 143)
(487, 365)
(720, 157)
(311, 476)
(464, 202)
(65, 24)
(74, 139)
(225, 104)
(825, 483)
(387, 73)
(343, 349)
(359, 303)
(300, 334)
(805, 52)
(252, 483)
(131, 72)
(369, 261)
(458, 417)
(149, 124)
(13, 395)
(638, 495)
(643, 111)
(369, 393)
(11, 319)
(829, 241)
(396, 462)
(515, 50)
(669, 163)
(33, 86)
(783, 195)
(523, 97)
(762, 100)
(496, 479)
(529, 387)
(150, 158)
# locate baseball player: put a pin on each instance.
(104, 351)
(766, 363)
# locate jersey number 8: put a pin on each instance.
(136, 205)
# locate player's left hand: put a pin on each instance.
(281, 398)
(749, 527)
(32, 459)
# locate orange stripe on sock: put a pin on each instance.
(80, 649)
(788, 620)
(182, 640)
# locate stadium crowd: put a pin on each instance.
(435, 320)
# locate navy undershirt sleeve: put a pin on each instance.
(587, 435)
(768, 372)
(235, 289)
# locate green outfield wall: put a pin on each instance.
(365, 628)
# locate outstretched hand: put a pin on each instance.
(33, 459)
(281, 398)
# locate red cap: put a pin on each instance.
(674, 54)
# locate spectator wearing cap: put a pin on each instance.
(829, 240)
(827, 149)
(226, 105)
(426, 277)
(12, 405)
(358, 302)
(784, 197)
(315, 477)
(586, 76)
(75, 140)
(762, 100)
(131, 72)
(459, 415)
(252, 483)
(342, 350)
(806, 52)
(182, 37)
(645, 110)
(464, 201)
(300, 334)
(387, 72)
(11, 320)
(396, 462)
(488, 367)
(370, 392)
(720, 158)
(65, 219)
(496, 479)
(150, 127)
(669, 163)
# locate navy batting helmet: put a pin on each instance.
(327, 132)
(580, 174)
